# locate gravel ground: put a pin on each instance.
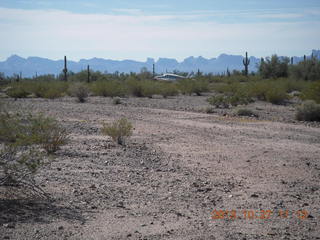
(179, 166)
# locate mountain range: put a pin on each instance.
(32, 66)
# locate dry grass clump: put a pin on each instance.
(119, 130)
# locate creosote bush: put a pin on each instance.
(79, 90)
(108, 88)
(24, 141)
(17, 91)
(312, 92)
(308, 111)
(119, 130)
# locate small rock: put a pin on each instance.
(143, 225)
(120, 205)
(60, 228)
(93, 186)
(59, 169)
(254, 195)
(129, 235)
(9, 225)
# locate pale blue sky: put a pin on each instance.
(137, 29)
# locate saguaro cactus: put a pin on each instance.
(88, 74)
(65, 70)
(246, 62)
(228, 72)
(153, 70)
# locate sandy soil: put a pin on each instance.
(179, 166)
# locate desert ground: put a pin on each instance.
(179, 166)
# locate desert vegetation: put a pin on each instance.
(274, 82)
(118, 130)
(155, 153)
(27, 139)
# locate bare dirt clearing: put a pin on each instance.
(176, 169)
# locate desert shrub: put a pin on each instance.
(308, 111)
(167, 89)
(188, 86)
(18, 164)
(149, 88)
(145, 88)
(17, 91)
(219, 101)
(48, 133)
(274, 67)
(276, 95)
(116, 101)
(39, 89)
(209, 110)
(119, 130)
(245, 112)
(79, 90)
(47, 89)
(135, 87)
(108, 88)
(312, 92)
(224, 101)
(24, 137)
(306, 70)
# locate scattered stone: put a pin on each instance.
(120, 205)
(60, 228)
(9, 225)
(93, 186)
(254, 195)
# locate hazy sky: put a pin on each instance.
(137, 29)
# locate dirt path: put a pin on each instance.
(177, 168)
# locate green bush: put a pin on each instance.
(220, 101)
(188, 86)
(17, 91)
(119, 130)
(79, 90)
(308, 111)
(274, 67)
(23, 138)
(149, 88)
(276, 95)
(48, 133)
(108, 88)
(48, 89)
(224, 101)
(312, 92)
(167, 89)
(306, 70)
